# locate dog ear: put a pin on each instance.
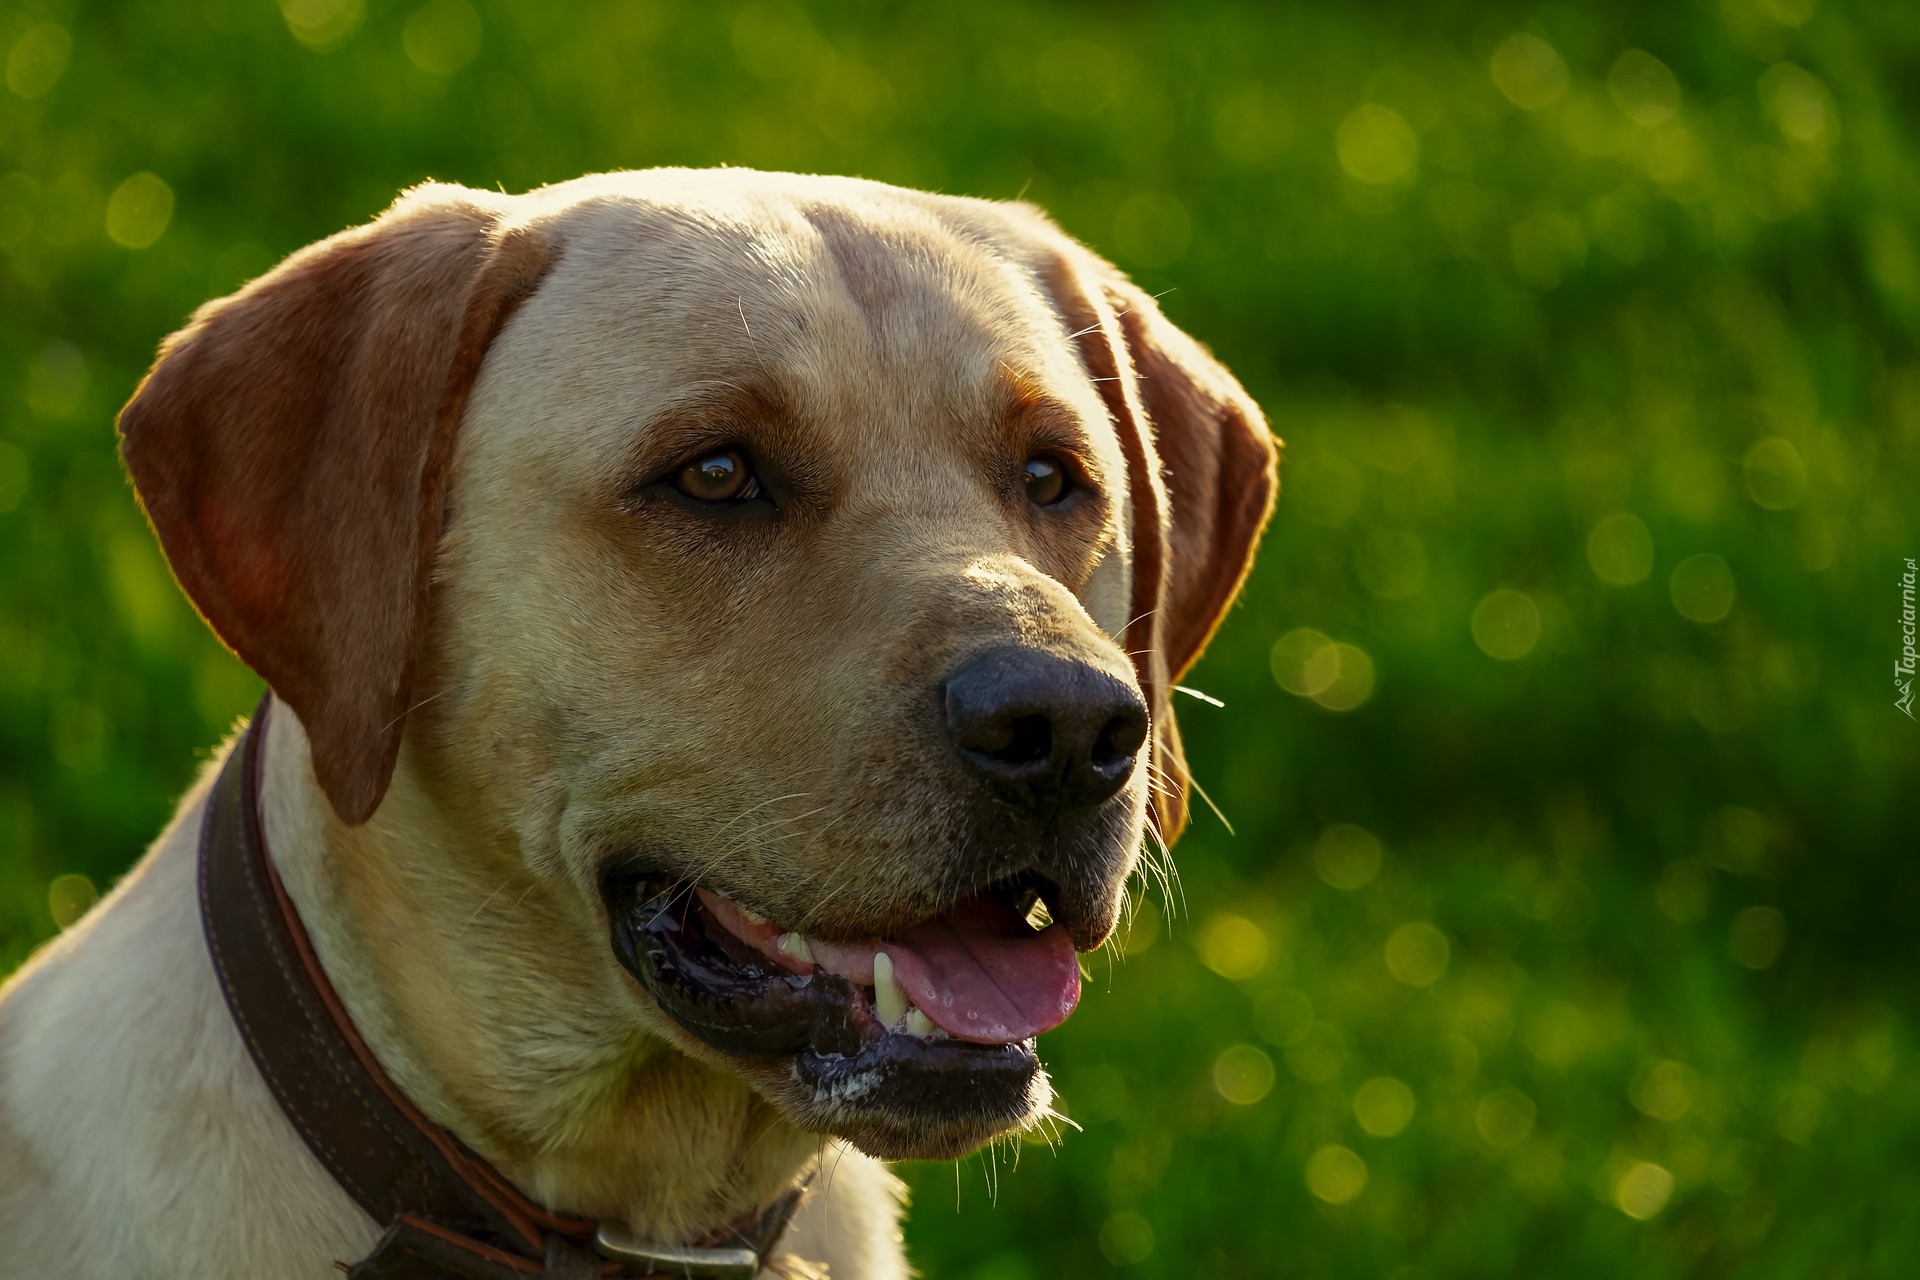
(291, 447)
(1219, 466)
(1203, 474)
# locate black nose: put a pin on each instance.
(1048, 734)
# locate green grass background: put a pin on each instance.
(1543, 321)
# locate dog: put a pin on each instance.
(720, 629)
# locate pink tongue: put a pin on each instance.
(983, 975)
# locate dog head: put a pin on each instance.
(792, 571)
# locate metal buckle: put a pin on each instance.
(617, 1243)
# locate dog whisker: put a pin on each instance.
(751, 834)
(814, 911)
(839, 1154)
(752, 342)
(432, 697)
(489, 900)
(521, 900)
(1172, 787)
(745, 839)
(755, 808)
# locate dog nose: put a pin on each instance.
(1050, 735)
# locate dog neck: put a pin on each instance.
(486, 989)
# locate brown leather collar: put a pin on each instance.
(448, 1212)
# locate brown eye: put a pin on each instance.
(1046, 480)
(720, 476)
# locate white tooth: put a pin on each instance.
(750, 914)
(919, 1024)
(889, 997)
(796, 946)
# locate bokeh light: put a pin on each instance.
(1336, 1174)
(37, 59)
(1702, 588)
(1346, 856)
(1504, 1117)
(139, 210)
(1383, 1106)
(1337, 675)
(322, 25)
(1243, 1075)
(1643, 1189)
(1351, 680)
(1644, 88)
(442, 36)
(1126, 1239)
(1665, 1089)
(1377, 145)
(1417, 954)
(1620, 549)
(1303, 662)
(1529, 71)
(1234, 947)
(70, 897)
(1506, 624)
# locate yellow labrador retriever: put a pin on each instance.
(720, 628)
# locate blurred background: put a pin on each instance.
(1567, 921)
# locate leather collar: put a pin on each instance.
(448, 1212)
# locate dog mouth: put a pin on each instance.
(937, 1017)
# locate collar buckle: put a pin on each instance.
(616, 1242)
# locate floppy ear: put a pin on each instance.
(1220, 469)
(1203, 473)
(291, 447)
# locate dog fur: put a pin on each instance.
(410, 477)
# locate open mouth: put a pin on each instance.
(939, 1016)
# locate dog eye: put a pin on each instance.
(720, 476)
(1047, 480)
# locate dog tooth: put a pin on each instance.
(796, 946)
(919, 1024)
(753, 916)
(889, 997)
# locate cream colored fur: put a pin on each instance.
(586, 680)
(137, 1138)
